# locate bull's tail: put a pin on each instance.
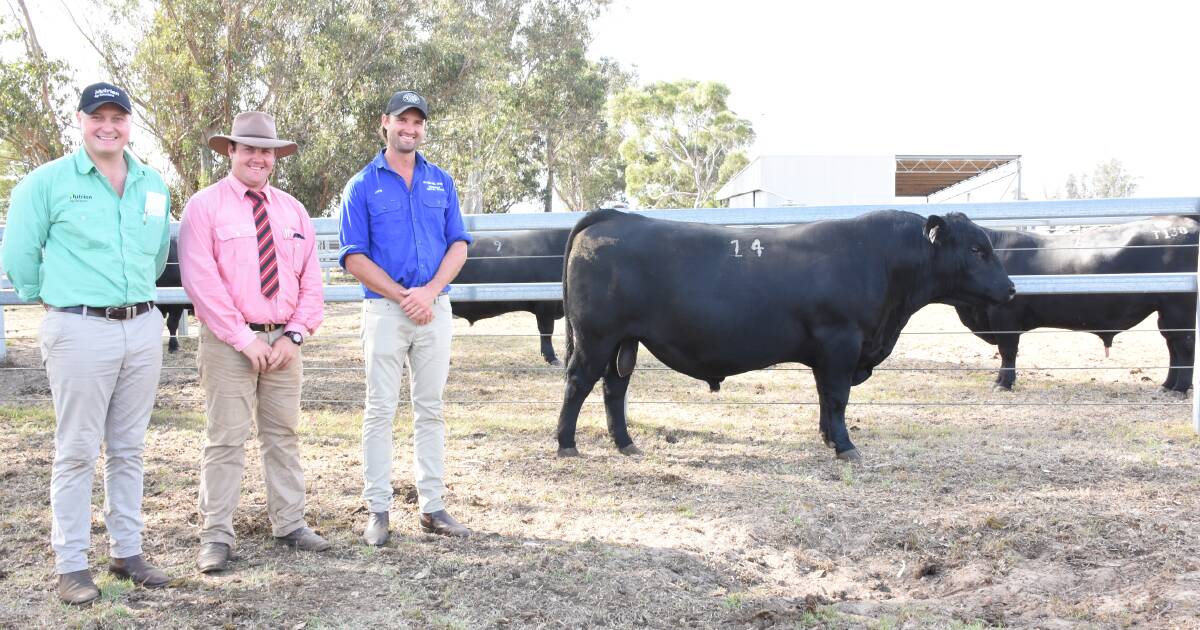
(590, 218)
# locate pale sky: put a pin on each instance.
(1065, 84)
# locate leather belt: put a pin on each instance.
(265, 327)
(107, 312)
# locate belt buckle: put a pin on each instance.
(128, 311)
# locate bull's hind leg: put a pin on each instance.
(616, 386)
(583, 370)
(1175, 325)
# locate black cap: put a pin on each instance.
(97, 94)
(405, 100)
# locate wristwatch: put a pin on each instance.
(296, 337)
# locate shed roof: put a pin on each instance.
(923, 175)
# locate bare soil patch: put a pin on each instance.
(1069, 502)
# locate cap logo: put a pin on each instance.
(411, 98)
(105, 92)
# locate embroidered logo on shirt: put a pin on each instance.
(435, 186)
(78, 198)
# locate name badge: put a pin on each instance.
(156, 204)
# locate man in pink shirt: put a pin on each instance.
(247, 254)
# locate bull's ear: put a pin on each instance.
(933, 225)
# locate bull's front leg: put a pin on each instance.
(834, 388)
(545, 324)
(1008, 361)
(823, 414)
(173, 315)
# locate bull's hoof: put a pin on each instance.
(850, 456)
(1001, 387)
(630, 449)
(172, 348)
(568, 452)
(555, 362)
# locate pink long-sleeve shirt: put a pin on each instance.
(218, 261)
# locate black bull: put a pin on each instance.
(1136, 247)
(172, 312)
(712, 302)
(524, 256)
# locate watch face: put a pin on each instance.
(295, 337)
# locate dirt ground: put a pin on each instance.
(1068, 503)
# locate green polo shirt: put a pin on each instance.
(71, 241)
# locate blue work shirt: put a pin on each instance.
(405, 232)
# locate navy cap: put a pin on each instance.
(405, 100)
(97, 94)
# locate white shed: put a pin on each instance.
(809, 180)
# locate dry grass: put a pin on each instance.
(962, 516)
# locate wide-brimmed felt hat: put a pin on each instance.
(255, 129)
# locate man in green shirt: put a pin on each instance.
(87, 236)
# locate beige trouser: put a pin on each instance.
(390, 339)
(234, 396)
(103, 377)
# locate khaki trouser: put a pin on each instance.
(103, 377)
(235, 395)
(390, 339)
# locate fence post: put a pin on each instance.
(1195, 370)
(183, 326)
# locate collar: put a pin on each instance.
(381, 162)
(239, 189)
(84, 165)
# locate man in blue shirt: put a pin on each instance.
(403, 238)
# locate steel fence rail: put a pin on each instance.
(1013, 213)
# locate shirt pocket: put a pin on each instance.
(150, 235)
(82, 227)
(436, 201)
(237, 245)
(293, 242)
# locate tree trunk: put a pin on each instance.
(548, 198)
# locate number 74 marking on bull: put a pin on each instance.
(755, 247)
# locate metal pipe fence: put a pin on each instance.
(1017, 213)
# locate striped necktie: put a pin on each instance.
(268, 271)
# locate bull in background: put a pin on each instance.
(1157, 245)
(170, 278)
(712, 301)
(521, 256)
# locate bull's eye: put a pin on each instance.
(975, 249)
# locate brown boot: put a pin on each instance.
(136, 569)
(440, 522)
(304, 539)
(77, 588)
(213, 556)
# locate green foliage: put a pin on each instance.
(1108, 180)
(34, 109)
(682, 142)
